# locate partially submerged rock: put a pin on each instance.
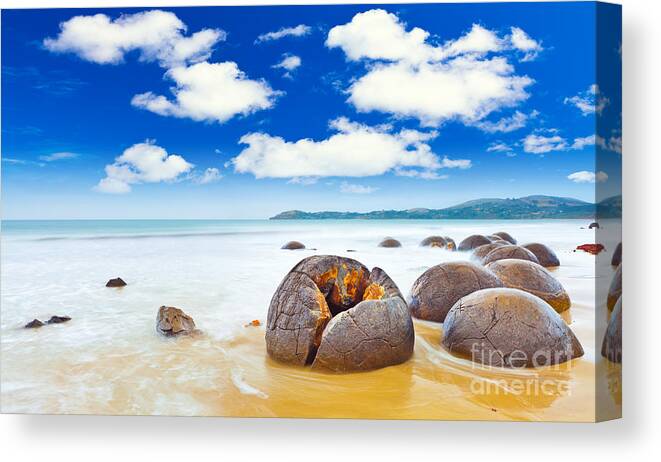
(510, 251)
(451, 245)
(482, 251)
(333, 313)
(494, 238)
(545, 255)
(293, 245)
(617, 255)
(439, 288)
(35, 323)
(390, 242)
(611, 347)
(473, 241)
(58, 319)
(171, 321)
(532, 278)
(505, 236)
(117, 282)
(434, 241)
(594, 225)
(510, 328)
(615, 289)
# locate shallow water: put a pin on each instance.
(110, 360)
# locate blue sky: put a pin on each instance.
(242, 112)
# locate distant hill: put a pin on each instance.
(522, 208)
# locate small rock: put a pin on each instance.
(611, 347)
(510, 251)
(434, 241)
(505, 236)
(117, 282)
(451, 245)
(617, 255)
(615, 289)
(390, 242)
(474, 241)
(293, 245)
(593, 249)
(58, 319)
(510, 328)
(34, 324)
(254, 323)
(547, 257)
(172, 321)
(594, 225)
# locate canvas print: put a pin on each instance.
(404, 211)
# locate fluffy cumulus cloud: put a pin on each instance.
(590, 101)
(156, 35)
(210, 175)
(588, 177)
(525, 44)
(465, 79)
(297, 31)
(355, 150)
(581, 142)
(289, 64)
(548, 140)
(506, 124)
(351, 188)
(612, 143)
(499, 147)
(142, 163)
(213, 92)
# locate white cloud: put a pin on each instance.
(156, 35)
(454, 81)
(580, 143)
(304, 181)
(289, 63)
(522, 42)
(356, 150)
(210, 175)
(614, 143)
(297, 31)
(350, 188)
(540, 144)
(505, 125)
(58, 156)
(588, 177)
(590, 101)
(499, 147)
(213, 92)
(142, 163)
(422, 174)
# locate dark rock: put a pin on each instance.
(482, 251)
(593, 249)
(333, 313)
(546, 257)
(505, 236)
(117, 282)
(58, 319)
(34, 324)
(594, 225)
(434, 241)
(451, 245)
(510, 328)
(172, 321)
(510, 251)
(532, 278)
(611, 347)
(615, 289)
(438, 288)
(617, 255)
(474, 241)
(293, 245)
(390, 242)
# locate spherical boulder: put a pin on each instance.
(509, 251)
(611, 346)
(546, 257)
(505, 236)
(473, 241)
(482, 251)
(438, 288)
(532, 278)
(617, 255)
(494, 238)
(615, 289)
(293, 245)
(434, 241)
(333, 313)
(171, 321)
(389, 242)
(508, 328)
(451, 245)
(116, 282)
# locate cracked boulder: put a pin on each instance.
(532, 278)
(510, 251)
(546, 257)
(293, 245)
(505, 236)
(474, 241)
(615, 289)
(434, 241)
(482, 251)
(171, 321)
(439, 288)
(333, 313)
(508, 328)
(611, 347)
